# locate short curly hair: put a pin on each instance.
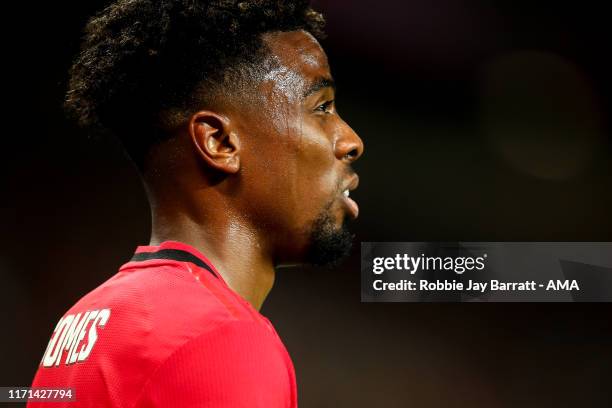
(144, 63)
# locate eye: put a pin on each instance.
(325, 107)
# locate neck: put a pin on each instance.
(231, 245)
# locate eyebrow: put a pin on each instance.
(319, 84)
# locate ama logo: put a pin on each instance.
(562, 285)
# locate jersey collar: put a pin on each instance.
(173, 251)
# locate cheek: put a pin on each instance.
(314, 180)
(290, 175)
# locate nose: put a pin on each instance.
(349, 146)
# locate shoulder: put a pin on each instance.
(157, 333)
(165, 297)
(153, 311)
(237, 363)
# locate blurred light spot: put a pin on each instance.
(540, 114)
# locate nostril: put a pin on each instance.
(351, 155)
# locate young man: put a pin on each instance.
(227, 108)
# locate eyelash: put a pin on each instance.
(325, 106)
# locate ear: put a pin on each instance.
(215, 141)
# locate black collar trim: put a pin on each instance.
(172, 254)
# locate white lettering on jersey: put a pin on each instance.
(72, 356)
(74, 328)
(68, 335)
(93, 334)
(60, 332)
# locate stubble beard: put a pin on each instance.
(329, 244)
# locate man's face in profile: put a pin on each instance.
(297, 153)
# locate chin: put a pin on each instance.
(330, 241)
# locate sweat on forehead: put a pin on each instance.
(297, 62)
(296, 49)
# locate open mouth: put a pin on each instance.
(351, 205)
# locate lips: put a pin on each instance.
(350, 204)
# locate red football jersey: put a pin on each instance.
(166, 330)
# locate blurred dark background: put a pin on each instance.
(482, 120)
